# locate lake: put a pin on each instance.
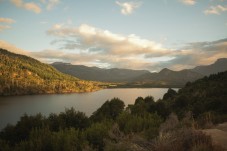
(13, 107)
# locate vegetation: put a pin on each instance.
(203, 97)
(20, 74)
(169, 124)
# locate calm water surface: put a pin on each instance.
(13, 107)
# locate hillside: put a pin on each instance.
(99, 74)
(208, 94)
(21, 74)
(219, 66)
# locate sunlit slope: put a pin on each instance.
(21, 74)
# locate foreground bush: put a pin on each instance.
(178, 135)
(185, 140)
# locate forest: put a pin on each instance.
(21, 75)
(172, 123)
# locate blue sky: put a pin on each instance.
(135, 34)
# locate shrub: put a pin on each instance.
(97, 133)
(109, 110)
(148, 123)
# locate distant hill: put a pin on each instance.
(219, 66)
(20, 74)
(99, 74)
(164, 78)
(167, 77)
(142, 78)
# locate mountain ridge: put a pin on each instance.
(99, 74)
(218, 66)
(165, 77)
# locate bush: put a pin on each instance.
(97, 133)
(72, 118)
(109, 110)
(149, 124)
(185, 139)
(21, 130)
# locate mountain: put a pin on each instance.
(99, 74)
(219, 66)
(20, 74)
(169, 78)
(169, 75)
(142, 78)
(132, 78)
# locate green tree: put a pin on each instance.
(109, 110)
(97, 133)
(169, 94)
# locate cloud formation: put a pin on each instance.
(188, 2)
(93, 46)
(5, 23)
(7, 20)
(210, 51)
(96, 47)
(127, 8)
(217, 10)
(31, 6)
(92, 39)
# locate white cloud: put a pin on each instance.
(92, 46)
(202, 53)
(90, 38)
(188, 2)
(31, 6)
(87, 44)
(7, 20)
(128, 7)
(216, 10)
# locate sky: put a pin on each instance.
(133, 34)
